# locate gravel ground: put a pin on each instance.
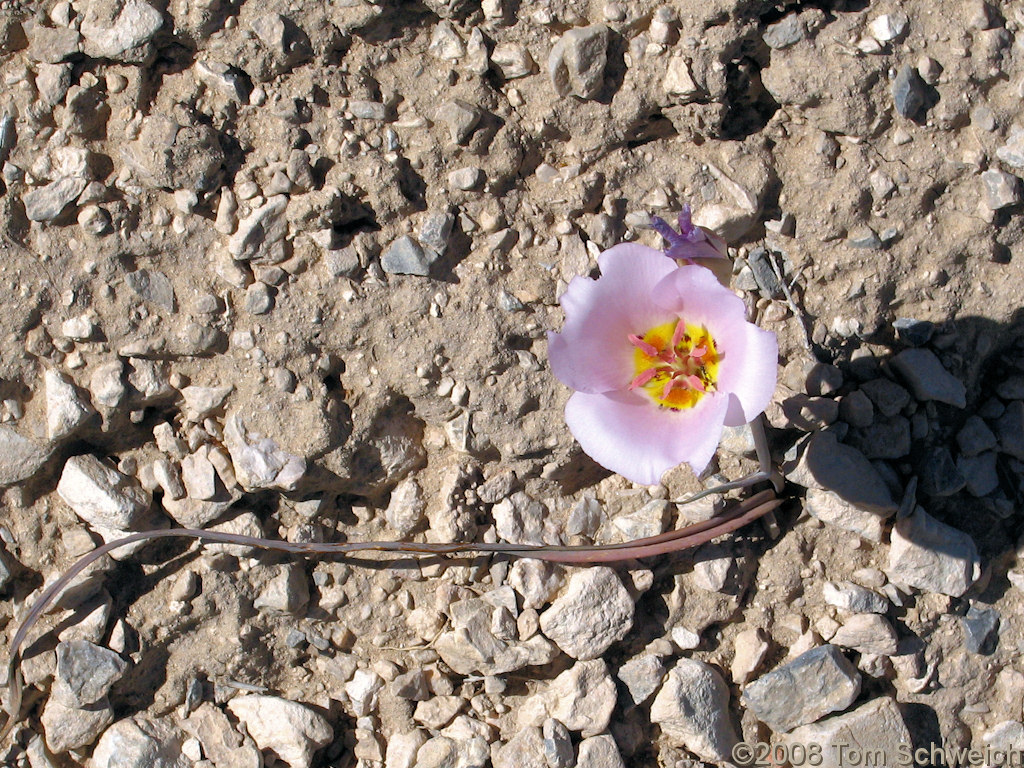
(286, 269)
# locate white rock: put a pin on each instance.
(293, 731)
(402, 749)
(260, 235)
(107, 384)
(445, 43)
(20, 457)
(200, 402)
(594, 612)
(259, 462)
(830, 508)
(867, 633)
(889, 26)
(537, 581)
(199, 475)
(135, 24)
(362, 691)
(140, 743)
(679, 82)
(406, 507)
(78, 328)
(101, 495)
(599, 752)
(642, 676)
(67, 406)
(582, 698)
(692, 709)
(750, 648)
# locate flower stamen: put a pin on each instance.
(676, 363)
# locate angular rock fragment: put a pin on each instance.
(875, 727)
(120, 29)
(171, 156)
(258, 461)
(582, 698)
(67, 406)
(100, 495)
(20, 457)
(139, 742)
(932, 556)
(806, 689)
(85, 672)
(406, 257)
(293, 731)
(928, 379)
(692, 709)
(594, 612)
(47, 203)
(827, 464)
(153, 286)
(577, 62)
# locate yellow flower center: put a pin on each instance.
(676, 363)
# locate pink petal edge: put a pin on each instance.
(625, 433)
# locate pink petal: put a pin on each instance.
(593, 353)
(753, 385)
(626, 433)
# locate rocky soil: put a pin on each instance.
(286, 268)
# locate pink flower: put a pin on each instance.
(661, 357)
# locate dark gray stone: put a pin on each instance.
(908, 92)
(85, 672)
(939, 475)
(980, 625)
(886, 439)
(856, 409)
(764, 275)
(922, 371)
(864, 237)
(436, 230)
(975, 437)
(823, 379)
(915, 333)
(406, 257)
(980, 473)
(888, 396)
(827, 464)
(1011, 388)
(1010, 430)
(152, 286)
(814, 684)
(784, 33)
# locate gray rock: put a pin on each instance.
(153, 286)
(1002, 189)
(53, 45)
(888, 396)
(975, 437)
(284, 38)
(867, 633)
(47, 203)
(979, 472)
(100, 495)
(692, 709)
(928, 379)
(259, 299)
(286, 592)
(520, 519)
(599, 752)
(116, 29)
(856, 409)
(1011, 388)
(258, 461)
(888, 439)
(915, 333)
(260, 235)
(368, 110)
(85, 672)
(823, 379)
(138, 742)
(784, 33)
(832, 509)
(908, 92)
(980, 625)
(814, 684)
(558, 750)
(864, 237)
(462, 118)
(827, 464)
(594, 612)
(73, 728)
(577, 62)
(641, 675)
(939, 473)
(853, 597)
(1012, 152)
(873, 728)
(170, 156)
(436, 230)
(466, 178)
(767, 282)
(1010, 430)
(932, 556)
(406, 257)
(524, 750)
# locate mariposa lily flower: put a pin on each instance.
(661, 357)
(695, 245)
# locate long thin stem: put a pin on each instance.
(741, 514)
